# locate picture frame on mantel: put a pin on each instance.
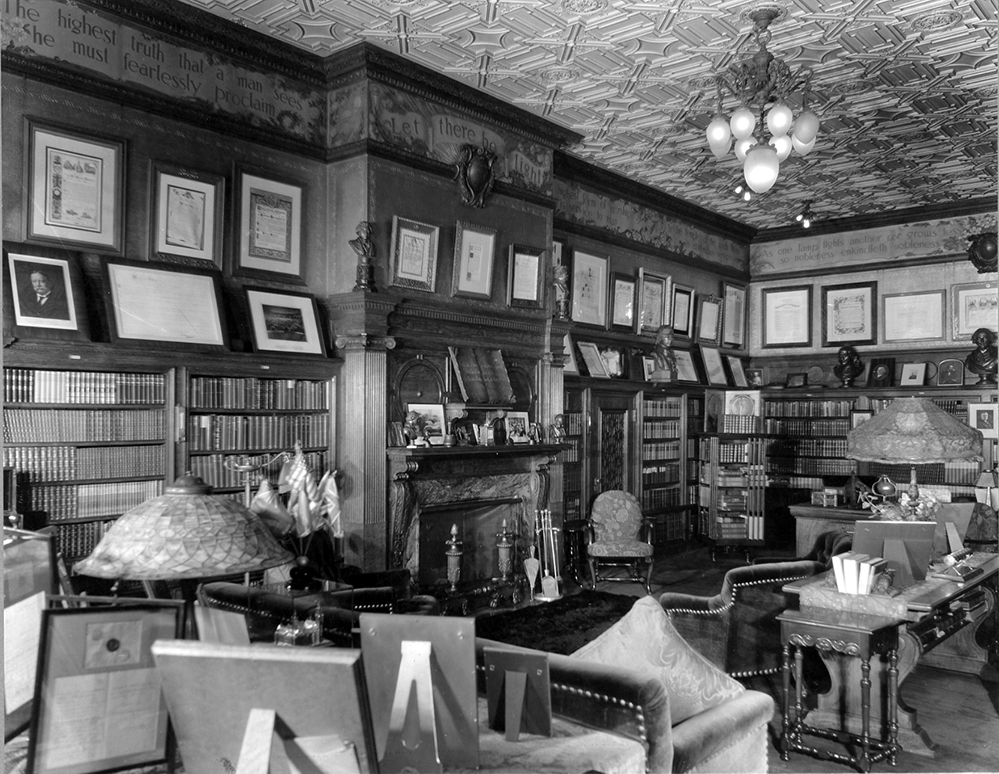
(269, 222)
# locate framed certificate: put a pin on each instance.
(733, 315)
(269, 226)
(187, 209)
(414, 254)
(849, 314)
(914, 316)
(976, 305)
(623, 302)
(524, 273)
(589, 289)
(787, 317)
(653, 300)
(474, 248)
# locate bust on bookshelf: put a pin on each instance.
(848, 366)
(984, 359)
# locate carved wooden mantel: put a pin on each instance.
(445, 476)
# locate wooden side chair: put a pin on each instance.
(619, 536)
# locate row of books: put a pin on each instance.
(661, 450)
(661, 428)
(660, 473)
(255, 394)
(573, 421)
(662, 407)
(76, 541)
(807, 427)
(813, 466)
(931, 474)
(741, 423)
(808, 447)
(669, 527)
(83, 425)
(808, 408)
(219, 432)
(60, 502)
(215, 471)
(32, 385)
(661, 498)
(570, 454)
(961, 473)
(856, 573)
(42, 464)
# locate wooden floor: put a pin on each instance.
(960, 713)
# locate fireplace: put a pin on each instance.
(473, 489)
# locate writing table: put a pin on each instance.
(935, 615)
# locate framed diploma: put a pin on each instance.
(74, 187)
(474, 250)
(787, 316)
(589, 289)
(623, 289)
(849, 314)
(414, 254)
(733, 315)
(284, 322)
(713, 366)
(686, 371)
(187, 210)
(709, 319)
(975, 305)
(653, 300)
(269, 223)
(524, 286)
(167, 304)
(683, 308)
(913, 316)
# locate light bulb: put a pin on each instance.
(743, 123)
(779, 119)
(806, 127)
(738, 188)
(747, 196)
(719, 136)
(761, 168)
(798, 217)
(806, 223)
(782, 145)
(742, 147)
(802, 147)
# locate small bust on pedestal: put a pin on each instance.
(848, 367)
(664, 369)
(983, 360)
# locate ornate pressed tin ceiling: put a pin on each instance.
(906, 90)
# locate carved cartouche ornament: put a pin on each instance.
(474, 174)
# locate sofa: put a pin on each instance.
(641, 680)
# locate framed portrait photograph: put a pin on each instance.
(517, 424)
(733, 316)
(683, 310)
(427, 418)
(43, 296)
(849, 314)
(686, 371)
(474, 250)
(738, 372)
(269, 226)
(881, 372)
(787, 316)
(570, 367)
(525, 273)
(75, 187)
(913, 375)
(714, 367)
(593, 360)
(975, 305)
(652, 300)
(167, 304)
(623, 290)
(913, 316)
(187, 213)
(950, 372)
(414, 254)
(284, 322)
(755, 377)
(589, 289)
(709, 319)
(985, 418)
(857, 418)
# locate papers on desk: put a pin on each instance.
(856, 573)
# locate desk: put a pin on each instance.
(937, 615)
(846, 634)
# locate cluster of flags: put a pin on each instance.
(311, 506)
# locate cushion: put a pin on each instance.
(645, 640)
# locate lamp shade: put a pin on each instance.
(743, 123)
(806, 127)
(915, 431)
(719, 136)
(779, 119)
(761, 168)
(185, 533)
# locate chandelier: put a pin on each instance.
(761, 80)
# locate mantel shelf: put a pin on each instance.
(506, 450)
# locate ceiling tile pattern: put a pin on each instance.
(906, 90)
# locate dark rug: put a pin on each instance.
(562, 626)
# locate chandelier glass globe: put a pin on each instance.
(761, 168)
(782, 145)
(806, 127)
(803, 148)
(779, 119)
(742, 147)
(719, 136)
(743, 123)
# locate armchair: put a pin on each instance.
(619, 535)
(736, 628)
(826, 546)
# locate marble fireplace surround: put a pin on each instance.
(435, 483)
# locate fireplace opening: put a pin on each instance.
(477, 522)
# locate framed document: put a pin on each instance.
(589, 289)
(975, 305)
(653, 300)
(569, 367)
(474, 248)
(623, 302)
(714, 368)
(284, 322)
(414, 254)
(683, 311)
(187, 210)
(734, 315)
(75, 187)
(167, 304)
(858, 417)
(686, 371)
(269, 227)
(913, 316)
(849, 314)
(913, 374)
(984, 417)
(735, 366)
(592, 359)
(709, 319)
(524, 277)
(43, 296)
(787, 316)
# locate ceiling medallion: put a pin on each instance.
(582, 7)
(559, 74)
(936, 20)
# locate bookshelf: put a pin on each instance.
(665, 492)
(732, 503)
(248, 419)
(86, 447)
(573, 457)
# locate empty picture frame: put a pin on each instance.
(34, 273)
(269, 226)
(284, 322)
(589, 289)
(75, 187)
(849, 314)
(682, 306)
(474, 251)
(170, 305)
(414, 254)
(787, 316)
(525, 287)
(187, 215)
(97, 662)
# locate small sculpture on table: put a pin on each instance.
(663, 357)
(557, 434)
(983, 359)
(414, 430)
(848, 366)
(365, 250)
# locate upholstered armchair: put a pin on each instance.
(619, 535)
(824, 548)
(736, 629)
